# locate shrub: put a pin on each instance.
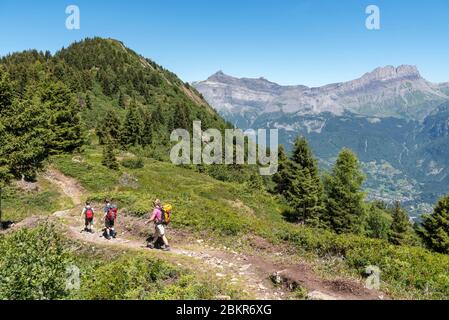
(33, 265)
(414, 271)
(139, 277)
(133, 163)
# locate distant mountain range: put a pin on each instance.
(395, 120)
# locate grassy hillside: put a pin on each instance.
(230, 212)
(101, 77)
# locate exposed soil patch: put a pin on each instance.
(69, 186)
(26, 186)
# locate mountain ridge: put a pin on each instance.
(393, 118)
(386, 91)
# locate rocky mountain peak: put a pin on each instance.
(219, 76)
(391, 72)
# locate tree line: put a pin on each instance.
(336, 201)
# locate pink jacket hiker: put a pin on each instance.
(157, 214)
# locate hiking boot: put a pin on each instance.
(165, 248)
(150, 246)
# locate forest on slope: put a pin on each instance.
(98, 111)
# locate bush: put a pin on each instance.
(414, 271)
(33, 265)
(137, 277)
(133, 163)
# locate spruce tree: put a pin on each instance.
(435, 227)
(147, 133)
(64, 121)
(109, 128)
(6, 96)
(4, 161)
(305, 192)
(23, 133)
(25, 136)
(159, 130)
(255, 182)
(400, 226)
(181, 119)
(4, 168)
(6, 90)
(109, 160)
(283, 177)
(344, 201)
(132, 128)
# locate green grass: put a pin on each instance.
(229, 211)
(18, 204)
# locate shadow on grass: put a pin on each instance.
(6, 225)
(292, 217)
(157, 245)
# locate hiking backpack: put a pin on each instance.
(89, 213)
(112, 213)
(166, 214)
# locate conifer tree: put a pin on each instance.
(109, 128)
(255, 182)
(305, 192)
(22, 134)
(109, 160)
(181, 118)
(6, 91)
(4, 162)
(25, 138)
(282, 178)
(64, 121)
(147, 133)
(132, 128)
(344, 202)
(400, 226)
(6, 96)
(4, 168)
(157, 125)
(435, 227)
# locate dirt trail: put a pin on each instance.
(69, 186)
(264, 276)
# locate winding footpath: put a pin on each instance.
(262, 276)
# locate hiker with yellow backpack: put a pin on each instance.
(161, 216)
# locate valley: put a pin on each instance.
(393, 119)
(93, 121)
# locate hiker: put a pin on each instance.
(160, 217)
(110, 215)
(88, 215)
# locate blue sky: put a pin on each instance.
(311, 42)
